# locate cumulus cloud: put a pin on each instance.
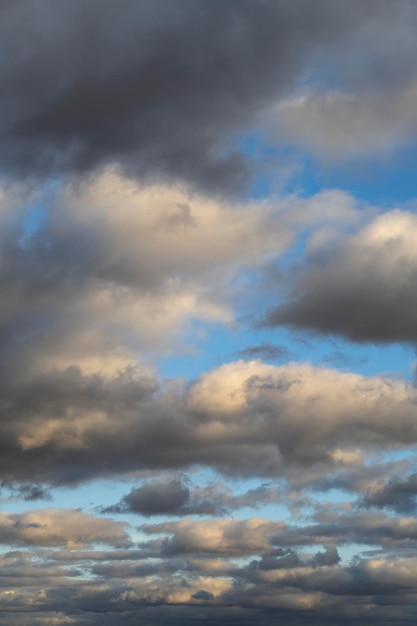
(114, 268)
(226, 536)
(362, 286)
(178, 497)
(60, 527)
(301, 580)
(107, 271)
(129, 132)
(397, 493)
(243, 418)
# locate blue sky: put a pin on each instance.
(208, 271)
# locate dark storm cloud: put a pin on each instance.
(362, 287)
(157, 86)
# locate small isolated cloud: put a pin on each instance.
(265, 351)
(34, 492)
(178, 497)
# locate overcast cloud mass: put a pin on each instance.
(208, 279)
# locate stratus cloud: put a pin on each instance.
(159, 86)
(363, 288)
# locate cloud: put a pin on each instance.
(366, 107)
(130, 135)
(60, 527)
(165, 498)
(362, 287)
(202, 569)
(178, 497)
(108, 271)
(226, 536)
(34, 492)
(112, 269)
(343, 125)
(266, 351)
(397, 493)
(243, 419)
(159, 87)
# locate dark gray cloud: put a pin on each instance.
(397, 493)
(165, 498)
(28, 491)
(179, 497)
(34, 492)
(362, 287)
(157, 86)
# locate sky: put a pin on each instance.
(208, 329)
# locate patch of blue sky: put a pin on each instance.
(36, 212)
(353, 552)
(216, 344)
(387, 179)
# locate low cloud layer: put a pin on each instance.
(252, 568)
